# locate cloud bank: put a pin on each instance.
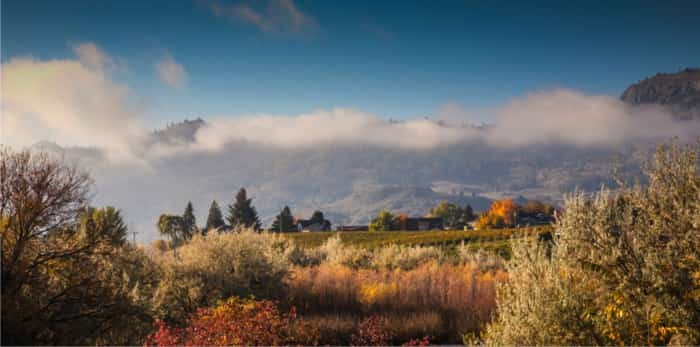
(70, 102)
(326, 127)
(77, 102)
(548, 117)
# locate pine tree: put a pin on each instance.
(189, 222)
(284, 222)
(242, 212)
(215, 218)
(469, 213)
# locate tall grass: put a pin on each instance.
(462, 296)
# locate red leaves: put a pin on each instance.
(237, 322)
(373, 331)
(425, 341)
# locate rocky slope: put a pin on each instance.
(680, 91)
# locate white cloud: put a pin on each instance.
(70, 102)
(280, 16)
(77, 102)
(337, 126)
(548, 117)
(570, 117)
(171, 72)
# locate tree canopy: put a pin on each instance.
(64, 264)
(384, 221)
(453, 216)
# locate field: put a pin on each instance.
(491, 239)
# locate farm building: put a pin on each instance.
(307, 225)
(421, 223)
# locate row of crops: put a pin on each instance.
(437, 238)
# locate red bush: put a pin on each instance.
(237, 322)
(425, 341)
(373, 331)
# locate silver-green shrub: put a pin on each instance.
(624, 269)
(217, 266)
(404, 257)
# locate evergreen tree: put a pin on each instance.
(469, 214)
(189, 222)
(284, 222)
(215, 218)
(242, 212)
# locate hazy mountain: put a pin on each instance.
(680, 91)
(350, 166)
(350, 183)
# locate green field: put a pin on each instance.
(487, 239)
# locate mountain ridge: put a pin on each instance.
(678, 91)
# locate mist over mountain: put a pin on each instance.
(349, 183)
(350, 165)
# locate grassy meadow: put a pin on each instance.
(436, 238)
(496, 240)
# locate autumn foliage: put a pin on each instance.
(502, 213)
(237, 322)
(373, 331)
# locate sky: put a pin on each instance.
(400, 60)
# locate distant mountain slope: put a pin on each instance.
(680, 91)
(350, 182)
(364, 203)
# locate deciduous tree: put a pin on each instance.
(384, 221)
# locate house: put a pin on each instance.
(535, 219)
(353, 228)
(307, 225)
(421, 223)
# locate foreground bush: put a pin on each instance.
(624, 269)
(237, 322)
(65, 264)
(217, 266)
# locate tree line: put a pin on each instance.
(241, 214)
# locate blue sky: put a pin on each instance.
(396, 59)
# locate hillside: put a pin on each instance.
(680, 91)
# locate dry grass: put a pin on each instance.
(439, 300)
